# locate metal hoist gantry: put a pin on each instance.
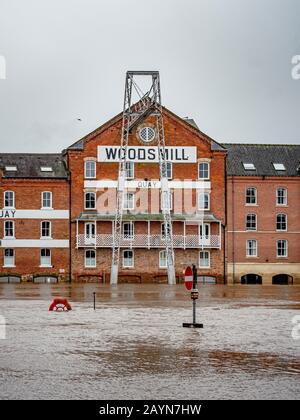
(147, 104)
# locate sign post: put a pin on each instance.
(190, 279)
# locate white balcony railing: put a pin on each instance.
(149, 241)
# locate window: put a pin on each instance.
(169, 170)
(204, 259)
(11, 168)
(279, 166)
(9, 258)
(128, 260)
(9, 199)
(147, 134)
(281, 196)
(46, 200)
(167, 201)
(251, 222)
(45, 258)
(90, 258)
(162, 259)
(46, 169)
(90, 169)
(203, 170)
(163, 230)
(249, 166)
(281, 222)
(203, 201)
(128, 201)
(251, 195)
(128, 230)
(204, 231)
(90, 201)
(46, 229)
(282, 248)
(9, 229)
(251, 248)
(129, 170)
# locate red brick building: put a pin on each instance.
(34, 212)
(263, 214)
(197, 183)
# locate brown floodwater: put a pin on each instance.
(134, 347)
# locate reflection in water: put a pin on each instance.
(133, 345)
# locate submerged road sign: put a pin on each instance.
(188, 278)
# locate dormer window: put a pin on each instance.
(279, 167)
(11, 168)
(249, 166)
(46, 169)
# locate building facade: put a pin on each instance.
(235, 209)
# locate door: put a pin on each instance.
(90, 233)
(204, 234)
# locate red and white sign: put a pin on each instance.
(188, 278)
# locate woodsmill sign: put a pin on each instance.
(148, 154)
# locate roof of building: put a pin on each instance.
(25, 165)
(263, 157)
(197, 218)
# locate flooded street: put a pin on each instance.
(134, 347)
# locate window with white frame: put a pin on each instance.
(163, 230)
(128, 201)
(9, 199)
(129, 168)
(204, 230)
(128, 230)
(90, 201)
(128, 258)
(281, 222)
(251, 195)
(9, 257)
(46, 200)
(162, 259)
(9, 229)
(203, 201)
(251, 222)
(281, 196)
(166, 201)
(204, 259)
(45, 257)
(203, 170)
(46, 229)
(90, 169)
(251, 248)
(282, 248)
(169, 170)
(90, 258)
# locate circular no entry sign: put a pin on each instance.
(188, 278)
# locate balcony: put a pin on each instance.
(149, 241)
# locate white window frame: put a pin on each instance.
(200, 194)
(255, 217)
(170, 201)
(50, 230)
(246, 195)
(286, 248)
(129, 172)
(286, 222)
(126, 201)
(169, 170)
(50, 258)
(13, 264)
(160, 259)
(11, 199)
(285, 197)
(86, 169)
(123, 255)
(201, 259)
(50, 206)
(247, 248)
(13, 229)
(208, 170)
(85, 200)
(129, 238)
(280, 167)
(86, 259)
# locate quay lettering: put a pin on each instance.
(7, 214)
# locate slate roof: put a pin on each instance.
(262, 156)
(29, 165)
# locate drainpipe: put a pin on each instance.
(233, 230)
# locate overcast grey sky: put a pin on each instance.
(227, 64)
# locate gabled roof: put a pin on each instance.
(29, 165)
(188, 122)
(263, 156)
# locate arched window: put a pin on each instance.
(90, 201)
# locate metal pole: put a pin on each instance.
(194, 287)
(94, 293)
